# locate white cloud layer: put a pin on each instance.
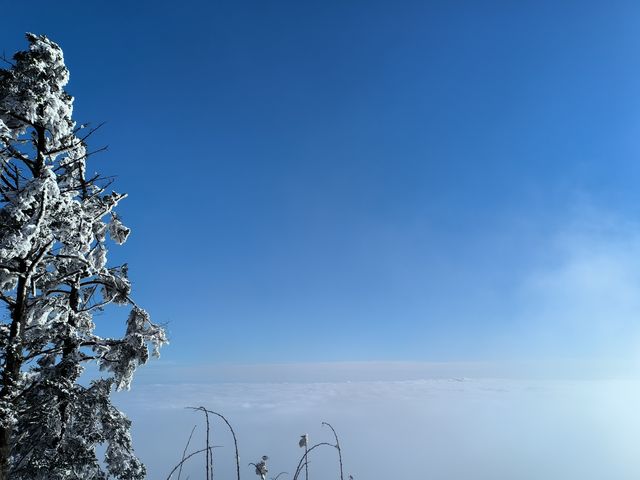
(438, 428)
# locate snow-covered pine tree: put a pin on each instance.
(55, 225)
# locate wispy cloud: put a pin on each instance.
(583, 299)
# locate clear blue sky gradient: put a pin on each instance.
(359, 180)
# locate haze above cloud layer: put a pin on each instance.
(582, 296)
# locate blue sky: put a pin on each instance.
(368, 180)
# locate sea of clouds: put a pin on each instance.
(441, 428)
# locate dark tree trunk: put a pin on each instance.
(11, 370)
(69, 348)
(14, 352)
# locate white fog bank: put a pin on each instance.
(453, 429)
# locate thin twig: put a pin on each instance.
(3, 57)
(235, 441)
(306, 454)
(184, 452)
(209, 457)
(187, 458)
(337, 447)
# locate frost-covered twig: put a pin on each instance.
(261, 467)
(304, 442)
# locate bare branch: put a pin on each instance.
(187, 458)
(335, 435)
(184, 452)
